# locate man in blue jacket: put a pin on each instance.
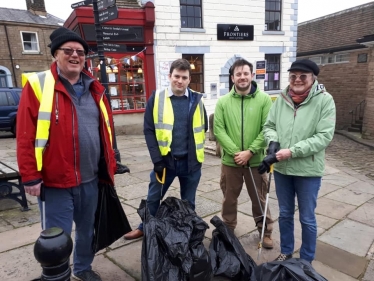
(175, 123)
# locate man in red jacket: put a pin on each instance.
(73, 152)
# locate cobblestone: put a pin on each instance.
(349, 153)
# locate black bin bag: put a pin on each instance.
(172, 246)
(228, 256)
(110, 219)
(289, 270)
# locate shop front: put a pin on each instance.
(129, 58)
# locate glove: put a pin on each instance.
(158, 168)
(273, 148)
(121, 169)
(266, 163)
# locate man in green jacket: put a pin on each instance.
(238, 120)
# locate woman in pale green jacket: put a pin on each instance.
(299, 127)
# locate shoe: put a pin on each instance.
(267, 243)
(135, 234)
(283, 257)
(87, 275)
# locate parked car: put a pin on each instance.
(9, 101)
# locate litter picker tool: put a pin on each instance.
(264, 219)
(258, 197)
(42, 198)
(162, 180)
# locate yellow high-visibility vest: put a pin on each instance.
(163, 116)
(43, 84)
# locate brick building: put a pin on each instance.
(342, 45)
(25, 36)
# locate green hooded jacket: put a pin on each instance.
(306, 131)
(238, 123)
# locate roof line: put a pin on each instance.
(337, 13)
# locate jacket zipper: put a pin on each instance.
(56, 110)
(75, 147)
(242, 123)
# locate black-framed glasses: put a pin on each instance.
(302, 77)
(69, 51)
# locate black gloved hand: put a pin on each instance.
(158, 168)
(266, 163)
(273, 148)
(121, 169)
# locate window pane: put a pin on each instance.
(191, 22)
(3, 99)
(198, 2)
(190, 11)
(183, 1)
(278, 6)
(11, 100)
(184, 22)
(267, 5)
(33, 37)
(197, 23)
(272, 6)
(27, 46)
(26, 36)
(190, 2)
(197, 12)
(183, 11)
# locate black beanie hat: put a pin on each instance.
(305, 65)
(62, 35)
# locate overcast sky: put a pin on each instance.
(308, 9)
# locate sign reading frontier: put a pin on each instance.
(234, 32)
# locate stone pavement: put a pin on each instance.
(345, 215)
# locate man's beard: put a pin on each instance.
(242, 89)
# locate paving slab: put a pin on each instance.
(344, 195)
(17, 218)
(128, 258)
(5, 226)
(327, 188)
(325, 222)
(351, 236)
(205, 207)
(369, 274)
(108, 270)
(126, 180)
(24, 236)
(340, 260)
(245, 225)
(330, 273)
(340, 179)
(361, 186)
(208, 186)
(133, 191)
(329, 170)
(128, 209)
(145, 166)
(207, 174)
(143, 175)
(364, 214)
(333, 209)
(19, 264)
(217, 196)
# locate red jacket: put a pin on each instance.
(61, 154)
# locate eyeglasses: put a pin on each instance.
(69, 51)
(302, 77)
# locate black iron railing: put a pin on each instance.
(357, 114)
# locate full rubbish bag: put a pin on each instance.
(173, 246)
(289, 270)
(228, 256)
(110, 219)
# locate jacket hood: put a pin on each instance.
(235, 94)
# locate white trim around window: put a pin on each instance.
(30, 42)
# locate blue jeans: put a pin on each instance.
(306, 189)
(188, 186)
(78, 204)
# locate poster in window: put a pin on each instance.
(276, 76)
(164, 67)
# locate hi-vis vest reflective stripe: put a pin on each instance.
(163, 116)
(43, 84)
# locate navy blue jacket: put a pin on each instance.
(150, 135)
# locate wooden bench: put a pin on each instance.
(8, 174)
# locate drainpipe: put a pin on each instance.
(10, 54)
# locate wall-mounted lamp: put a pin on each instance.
(192, 63)
(17, 66)
(140, 70)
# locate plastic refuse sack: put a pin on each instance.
(172, 244)
(289, 270)
(228, 256)
(110, 219)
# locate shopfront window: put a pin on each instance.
(126, 82)
(197, 72)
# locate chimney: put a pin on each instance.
(36, 7)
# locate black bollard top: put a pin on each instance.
(51, 232)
